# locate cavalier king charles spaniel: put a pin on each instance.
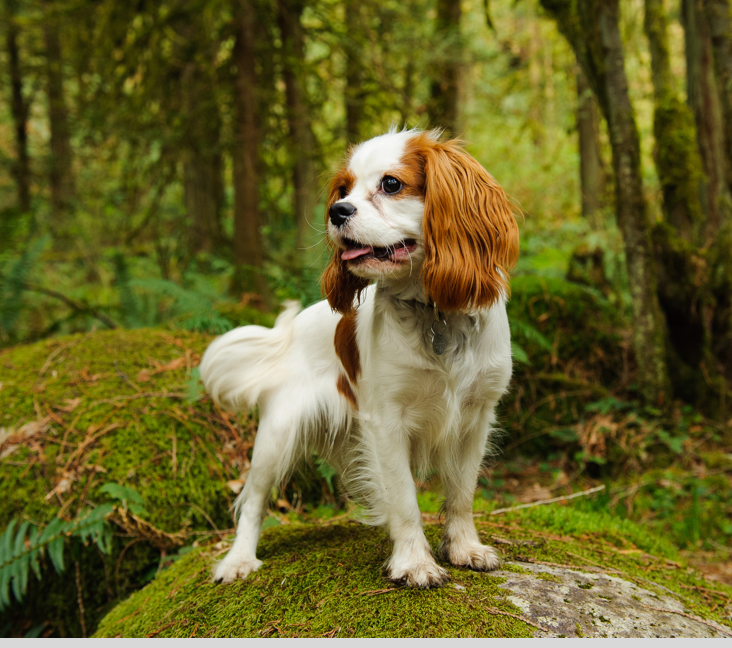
(400, 369)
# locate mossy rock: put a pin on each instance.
(565, 573)
(121, 407)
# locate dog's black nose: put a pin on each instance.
(340, 213)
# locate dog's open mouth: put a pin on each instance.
(361, 252)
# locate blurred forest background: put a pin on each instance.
(163, 164)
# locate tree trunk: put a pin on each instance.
(591, 26)
(203, 185)
(592, 180)
(60, 165)
(302, 140)
(447, 73)
(248, 253)
(19, 108)
(704, 103)
(354, 75)
(677, 159)
(720, 27)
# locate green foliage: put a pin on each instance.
(24, 547)
(14, 276)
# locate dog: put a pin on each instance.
(400, 370)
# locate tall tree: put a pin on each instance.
(676, 155)
(592, 29)
(681, 242)
(248, 249)
(446, 73)
(592, 176)
(354, 70)
(302, 142)
(701, 92)
(19, 108)
(203, 167)
(720, 28)
(61, 178)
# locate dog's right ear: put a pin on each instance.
(340, 287)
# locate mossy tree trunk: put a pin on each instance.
(302, 140)
(248, 249)
(720, 27)
(592, 175)
(19, 108)
(687, 295)
(703, 100)
(591, 27)
(447, 73)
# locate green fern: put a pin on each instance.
(21, 550)
(531, 334)
(13, 281)
(194, 311)
(519, 354)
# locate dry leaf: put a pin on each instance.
(71, 405)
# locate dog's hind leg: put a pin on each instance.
(276, 449)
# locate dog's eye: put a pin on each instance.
(390, 185)
(342, 191)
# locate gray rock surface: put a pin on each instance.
(574, 603)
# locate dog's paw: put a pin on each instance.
(229, 569)
(424, 574)
(474, 556)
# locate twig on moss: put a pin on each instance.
(493, 610)
(693, 617)
(542, 502)
(376, 592)
(155, 633)
(705, 589)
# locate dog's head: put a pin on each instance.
(407, 205)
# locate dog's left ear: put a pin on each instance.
(340, 287)
(469, 230)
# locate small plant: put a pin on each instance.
(24, 544)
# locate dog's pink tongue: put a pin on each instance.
(354, 253)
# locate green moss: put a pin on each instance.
(548, 577)
(318, 580)
(111, 407)
(315, 581)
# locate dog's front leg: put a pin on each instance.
(459, 473)
(411, 562)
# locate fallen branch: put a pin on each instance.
(79, 307)
(541, 502)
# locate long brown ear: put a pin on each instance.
(469, 230)
(339, 286)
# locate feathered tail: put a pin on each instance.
(241, 364)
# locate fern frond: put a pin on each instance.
(22, 549)
(519, 354)
(530, 333)
(13, 283)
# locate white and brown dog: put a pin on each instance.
(401, 368)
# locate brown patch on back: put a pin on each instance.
(344, 388)
(346, 347)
